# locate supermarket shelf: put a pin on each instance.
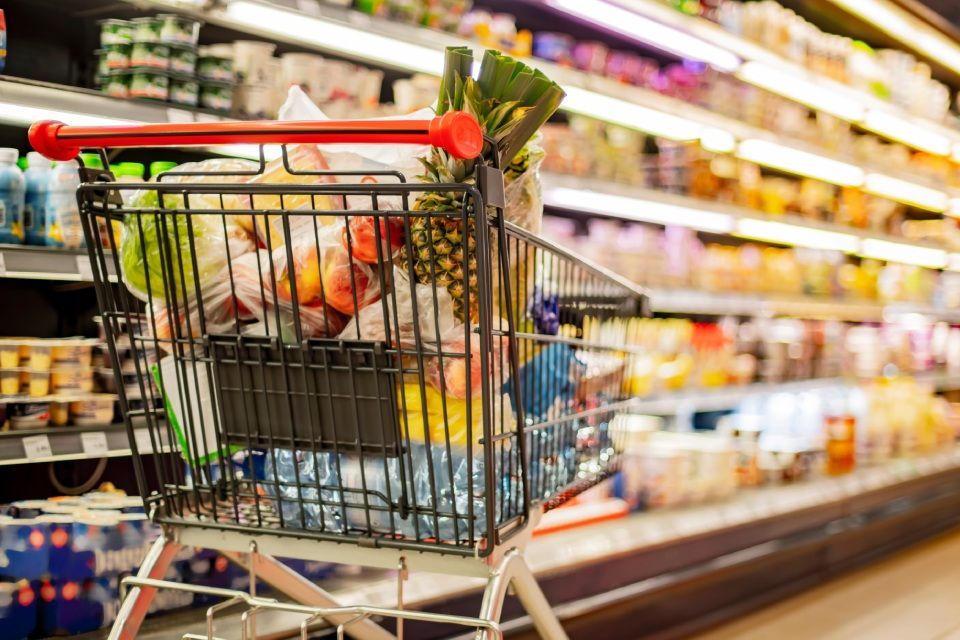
(659, 207)
(40, 263)
(709, 32)
(69, 443)
(728, 398)
(23, 102)
(408, 48)
(691, 301)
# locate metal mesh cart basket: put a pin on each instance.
(348, 366)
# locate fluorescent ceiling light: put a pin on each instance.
(802, 163)
(647, 31)
(657, 123)
(905, 192)
(902, 130)
(903, 253)
(26, 115)
(796, 236)
(639, 210)
(799, 90)
(718, 140)
(338, 38)
(906, 28)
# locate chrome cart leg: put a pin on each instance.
(135, 605)
(299, 589)
(513, 571)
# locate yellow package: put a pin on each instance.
(412, 416)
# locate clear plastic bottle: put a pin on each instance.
(62, 216)
(12, 194)
(37, 177)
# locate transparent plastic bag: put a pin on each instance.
(449, 373)
(268, 229)
(434, 318)
(199, 244)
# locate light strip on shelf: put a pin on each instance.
(906, 192)
(627, 114)
(954, 208)
(718, 140)
(902, 130)
(903, 253)
(796, 236)
(639, 210)
(647, 31)
(906, 28)
(777, 156)
(328, 35)
(799, 90)
(19, 114)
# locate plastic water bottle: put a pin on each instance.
(12, 195)
(37, 178)
(62, 217)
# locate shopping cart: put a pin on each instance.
(345, 373)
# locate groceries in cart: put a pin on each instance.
(400, 352)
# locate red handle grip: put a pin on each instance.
(455, 131)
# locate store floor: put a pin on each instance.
(912, 594)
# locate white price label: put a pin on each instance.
(35, 447)
(94, 443)
(142, 438)
(179, 115)
(84, 268)
(3, 265)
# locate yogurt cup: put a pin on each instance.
(93, 411)
(116, 84)
(184, 90)
(9, 383)
(39, 384)
(149, 83)
(9, 354)
(147, 29)
(28, 415)
(149, 55)
(59, 413)
(115, 32)
(217, 96)
(179, 29)
(115, 56)
(72, 353)
(183, 59)
(40, 357)
(74, 380)
(215, 68)
(251, 60)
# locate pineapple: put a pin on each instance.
(510, 101)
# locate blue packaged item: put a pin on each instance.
(547, 381)
(25, 544)
(69, 607)
(13, 191)
(37, 177)
(18, 609)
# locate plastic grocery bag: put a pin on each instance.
(449, 373)
(433, 320)
(302, 160)
(198, 244)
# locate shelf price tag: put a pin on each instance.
(94, 443)
(84, 268)
(36, 447)
(3, 265)
(309, 7)
(142, 438)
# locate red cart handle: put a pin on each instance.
(455, 131)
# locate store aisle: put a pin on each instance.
(912, 594)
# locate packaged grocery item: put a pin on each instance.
(9, 353)
(149, 83)
(184, 90)
(215, 68)
(62, 215)
(159, 166)
(37, 177)
(59, 413)
(149, 55)
(146, 29)
(217, 96)
(183, 59)
(555, 47)
(28, 415)
(38, 383)
(9, 382)
(116, 56)
(178, 29)
(75, 380)
(115, 32)
(128, 172)
(93, 411)
(3, 40)
(12, 195)
(116, 84)
(251, 60)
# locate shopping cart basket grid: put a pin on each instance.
(298, 343)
